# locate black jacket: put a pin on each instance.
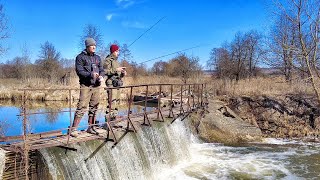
(86, 65)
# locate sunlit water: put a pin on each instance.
(44, 119)
(270, 159)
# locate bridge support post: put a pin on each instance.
(129, 113)
(145, 115)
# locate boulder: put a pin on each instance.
(222, 125)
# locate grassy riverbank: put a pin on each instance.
(10, 89)
(278, 108)
(268, 86)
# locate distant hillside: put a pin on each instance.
(266, 71)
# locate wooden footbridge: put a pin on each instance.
(174, 102)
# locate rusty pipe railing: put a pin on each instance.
(187, 92)
(193, 91)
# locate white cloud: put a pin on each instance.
(134, 24)
(125, 3)
(109, 17)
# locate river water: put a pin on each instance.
(270, 159)
(171, 151)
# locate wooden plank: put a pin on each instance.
(31, 136)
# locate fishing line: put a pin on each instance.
(146, 31)
(172, 53)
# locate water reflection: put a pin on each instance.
(49, 115)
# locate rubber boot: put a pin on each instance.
(75, 124)
(91, 129)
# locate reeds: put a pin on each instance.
(271, 85)
(268, 86)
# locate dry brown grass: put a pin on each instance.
(273, 85)
(9, 88)
(269, 86)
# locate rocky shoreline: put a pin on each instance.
(289, 116)
(236, 120)
(220, 124)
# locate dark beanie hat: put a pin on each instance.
(90, 42)
(114, 48)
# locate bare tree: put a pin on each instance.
(4, 29)
(49, 66)
(304, 15)
(27, 71)
(91, 31)
(159, 68)
(125, 53)
(19, 67)
(282, 45)
(252, 43)
(238, 59)
(220, 61)
(238, 56)
(183, 66)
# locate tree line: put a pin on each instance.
(291, 46)
(51, 67)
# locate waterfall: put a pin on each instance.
(141, 155)
(2, 161)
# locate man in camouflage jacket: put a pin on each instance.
(114, 74)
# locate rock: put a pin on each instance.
(281, 116)
(222, 125)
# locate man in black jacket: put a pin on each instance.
(90, 71)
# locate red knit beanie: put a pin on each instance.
(114, 48)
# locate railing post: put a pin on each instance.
(159, 113)
(189, 93)
(201, 95)
(198, 88)
(109, 92)
(172, 103)
(107, 122)
(159, 99)
(25, 136)
(145, 116)
(181, 108)
(130, 102)
(129, 111)
(70, 118)
(194, 93)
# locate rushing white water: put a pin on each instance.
(139, 155)
(271, 159)
(2, 161)
(170, 151)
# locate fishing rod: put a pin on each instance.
(172, 53)
(143, 34)
(146, 31)
(162, 55)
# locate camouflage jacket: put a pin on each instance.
(110, 67)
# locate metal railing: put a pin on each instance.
(185, 98)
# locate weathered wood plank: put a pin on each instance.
(31, 136)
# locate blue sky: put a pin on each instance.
(187, 23)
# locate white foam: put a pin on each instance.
(215, 161)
